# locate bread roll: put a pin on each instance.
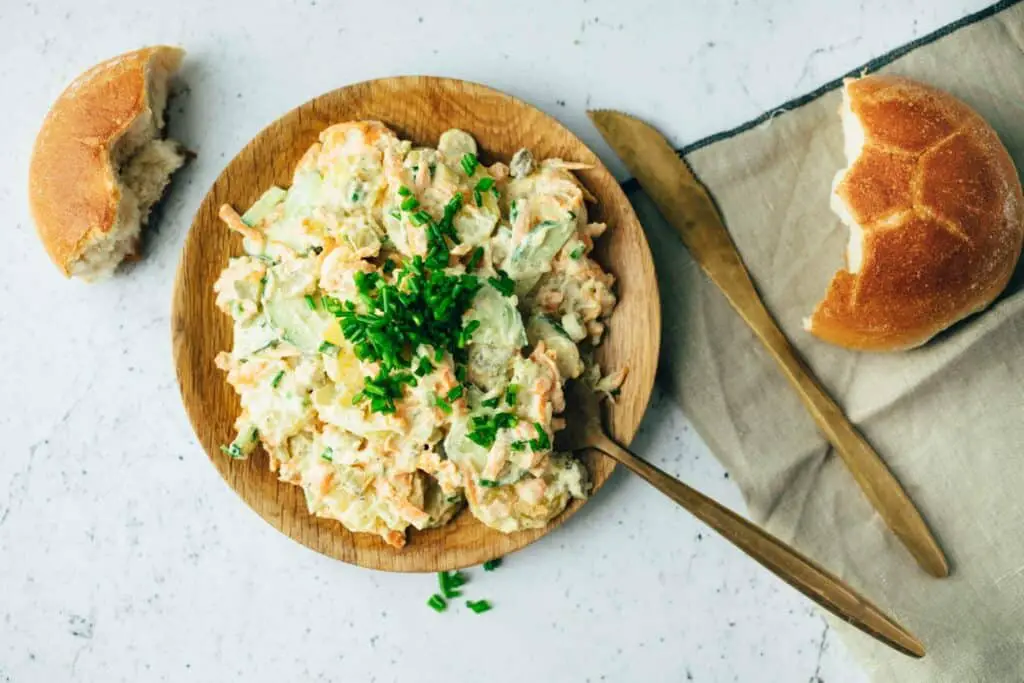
(99, 163)
(936, 217)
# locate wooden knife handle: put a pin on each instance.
(789, 565)
(713, 248)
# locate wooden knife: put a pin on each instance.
(688, 207)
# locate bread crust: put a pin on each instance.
(73, 189)
(939, 203)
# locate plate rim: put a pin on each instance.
(644, 393)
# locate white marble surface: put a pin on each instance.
(123, 557)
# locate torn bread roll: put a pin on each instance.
(934, 208)
(100, 163)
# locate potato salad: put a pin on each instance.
(405, 319)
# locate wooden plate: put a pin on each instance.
(418, 109)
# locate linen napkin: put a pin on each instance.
(948, 418)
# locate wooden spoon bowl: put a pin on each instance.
(418, 108)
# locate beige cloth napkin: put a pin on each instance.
(948, 418)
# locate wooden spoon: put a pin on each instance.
(585, 431)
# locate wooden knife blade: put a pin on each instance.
(688, 207)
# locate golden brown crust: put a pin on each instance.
(940, 205)
(73, 190)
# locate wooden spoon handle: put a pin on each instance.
(707, 239)
(798, 571)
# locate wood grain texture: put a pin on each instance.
(690, 210)
(419, 109)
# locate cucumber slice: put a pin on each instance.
(532, 257)
(263, 206)
(567, 354)
(294, 322)
(500, 336)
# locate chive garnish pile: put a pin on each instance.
(422, 307)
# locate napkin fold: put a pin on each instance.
(948, 418)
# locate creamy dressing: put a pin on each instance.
(472, 429)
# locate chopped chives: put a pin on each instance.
(449, 583)
(233, 451)
(478, 254)
(409, 203)
(437, 603)
(518, 445)
(542, 442)
(503, 283)
(511, 394)
(484, 184)
(478, 198)
(328, 455)
(424, 368)
(491, 565)
(329, 348)
(397, 215)
(443, 404)
(404, 191)
(310, 302)
(455, 393)
(469, 163)
(277, 379)
(490, 402)
(478, 606)
(488, 483)
(576, 253)
(572, 214)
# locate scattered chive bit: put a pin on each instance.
(397, 215)
(484, 184)
(576, 253)
(310, 302)
(409, 203)
(478, 254)
(494, 191)
(355, 197)
(491, 402)
(572, 215)
(503, 283)
(478, 198)
(511, 394)
(420, 218)
(461, 373)
(404, 191)
(450, 582)
(491, 565)
(469, 163)
(518, 445)
(488, 483)
(443, 405)
(329, 348)
(389, 266)
(455, 393)
(432, 168)
(542, 442)
(232, 451)
(424, 368)
(327, 455)
(277, 379)
(478, 606)
(513, 212)
(437, 603)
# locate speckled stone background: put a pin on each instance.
(123, 557)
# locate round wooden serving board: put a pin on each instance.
(418, 109)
